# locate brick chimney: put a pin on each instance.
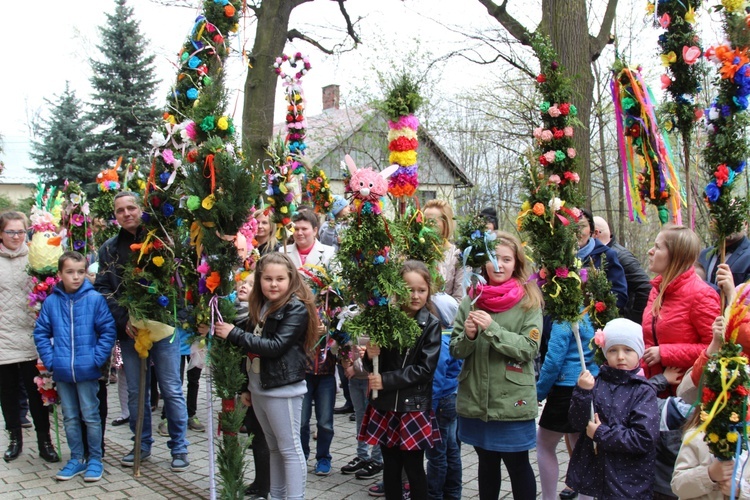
(330, 97)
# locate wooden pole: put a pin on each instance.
(139, 420)
(688, 188)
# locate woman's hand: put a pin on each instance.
(131, 330)
(372, 350)
(203, 329)
(222, 330)
(673, 374)
(593, 426)
(481, 318)
(376, 382)
(725, 281)
(246, 398)
(586, 380)
(718, 335)
(470, 329)
(651, 356)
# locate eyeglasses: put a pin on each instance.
(13, 234)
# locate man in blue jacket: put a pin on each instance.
(737, 257)
(590, 251)
(79, 321)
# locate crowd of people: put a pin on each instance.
(484, 364)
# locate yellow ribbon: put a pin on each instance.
(144, 245)
(723, 397)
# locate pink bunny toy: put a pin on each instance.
(367, 185)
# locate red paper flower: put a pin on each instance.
(564, 108)
(600, 307)
(543, 160)
(721, 174)
(541, 78)
(557, 133)
(708, 395)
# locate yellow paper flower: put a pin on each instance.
(650, 9)
(733, 5)
(403, 158)
(690, 15)
(223, 123)
(704, 416)
(284, 210)
(525, 206)
(209, 202)
(713, 437)
(669, 58)
(732, 437)
(158, 261)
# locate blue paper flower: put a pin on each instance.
(167, 209)
(164, 178)
(78, 245)
(194, 62)
(712, 192)
(145, 217)
(726, 111)
(739, 168)
(163, 300)
(192, 94)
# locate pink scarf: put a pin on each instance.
(498, 298)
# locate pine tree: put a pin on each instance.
(61, 152)
(123, 84)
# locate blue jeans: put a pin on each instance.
(358, 392)
(444, 459)
(322, 389)
(166, 358)
(80, 400)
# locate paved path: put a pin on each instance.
(31, 477)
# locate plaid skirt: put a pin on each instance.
(414, 430)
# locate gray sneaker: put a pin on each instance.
(180, 462)
(129, 459)
(195, 424)
(164, 428)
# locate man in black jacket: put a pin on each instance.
(114, 255)
(639, 285)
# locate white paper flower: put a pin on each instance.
(555, 204)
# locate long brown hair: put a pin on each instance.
(532, 295)
(297, 287)
(446, 213)
(683, 246)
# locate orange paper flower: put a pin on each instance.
(213, 281)
(538, 209)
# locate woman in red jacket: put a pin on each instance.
(681, 306)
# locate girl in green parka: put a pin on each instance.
(498, 340)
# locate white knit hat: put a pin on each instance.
(622, 331)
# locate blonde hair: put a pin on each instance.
(446, 214)
(683, 246)
(297, 287)
(522, 270)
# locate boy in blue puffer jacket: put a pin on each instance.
(74, 336)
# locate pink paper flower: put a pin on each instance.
(554, 111)
(665, 21)
(561, 272)
(547, 136)
(571, 153)
(537, 132)
(599, 338)
(77, 219)
(549, 156)
(191, 131)
(554, 179)
(168, 156)
(690, 55)
(568, 131)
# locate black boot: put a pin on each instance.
(47, 451)
(15, 445)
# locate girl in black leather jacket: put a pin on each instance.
(401, 419)
(285, 323)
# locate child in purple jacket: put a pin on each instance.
(615, 459)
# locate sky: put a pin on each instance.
(52, 43)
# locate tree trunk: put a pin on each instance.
(566, 24)
(260, 83)
(603, 150)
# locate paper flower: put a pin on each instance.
(690, 55)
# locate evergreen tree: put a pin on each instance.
(61, 152)
(123, 84)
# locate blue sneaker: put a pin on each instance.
(94, 471)
(323, 467)
(72, 469)
(129, 459)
